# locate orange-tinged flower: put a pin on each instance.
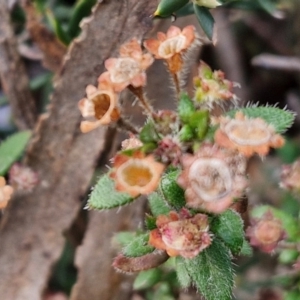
(212, 178)
(5, 192)
(136, 174)
(129, 68)
(247, 135)
(266, 232)
(100, 106)
(171, 45)
(290, 177)
(181, 234)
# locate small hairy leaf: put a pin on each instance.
(228, 226)
(171, 191)
(182, 273)
(158, 205)
(185, 107)
(148, 133)
(167, 7)
(211, 272)
(280, 119)
(11, 149)
(124, 237)
(289, 223)
(146, 279)
(138, 246)
(205, 20)
(105, 196)
(246, 249)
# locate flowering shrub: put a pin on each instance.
(191, 165)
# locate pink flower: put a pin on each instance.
(212, 178)
(247, 135)
(5, 192)
(129, 68)
(172, 45)
(266, 232)
(136, 174)
(181, 234)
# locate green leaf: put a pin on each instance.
(171, 191)
(186, 10)
(289, 223)
(280, 119)
(148, 133)
(61, 34)
(205, 20)
(186, 133)
(288, 256)
(150, 222)
(185, 108)
(167, 7)
(268, 5)
(158, 205)
(199, 121)
(124, 237)
(182, 273)
(246, 249)
(138, 246)
(105, 196)
(81, 10)
(11, 149)
(211, 272)
(228, 226)
(146, 279)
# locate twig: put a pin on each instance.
(15, 82)
(271, 61)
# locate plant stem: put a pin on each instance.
(176, 83)
(139, 93)
(127, 126)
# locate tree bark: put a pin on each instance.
(32, 229)
(14, 79)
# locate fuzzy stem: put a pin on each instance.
(176, 83)
(127, 126)
(139, 93)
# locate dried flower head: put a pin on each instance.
(212, 178)
(5, 192)
(211, 87)
(22, 178)
(168, 151)
(181, 234)
(247, 135)
(172, 45)
(266, 232)
(100, 106)
(131, 143)
(290, 177)
(136, 174)
(166, 122)
(129, 68)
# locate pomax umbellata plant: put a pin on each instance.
(190, 164)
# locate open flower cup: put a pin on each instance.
(129, 68)
(100, 106)
(172, 45)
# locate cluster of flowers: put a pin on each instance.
(213, 167)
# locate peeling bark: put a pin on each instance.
(14, 79)
(31, 231)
